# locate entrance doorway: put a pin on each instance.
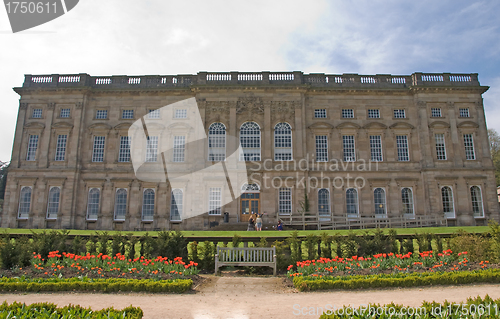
(249, 201)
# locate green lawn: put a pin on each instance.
(271, 233)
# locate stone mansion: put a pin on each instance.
(333, 147)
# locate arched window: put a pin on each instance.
(379, 201)
(93, 203)
(477, 201)
(120, 204)
(216, 142)
(447, 198)
(250, 141)
(407, 200)
(324, 202)
(53, 204)
(352, 202)
(25, 202)
(250, 188)
(148, 204)
(282, 142)
(176, 205)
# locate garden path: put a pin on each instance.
(253, 298)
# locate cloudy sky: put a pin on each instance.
(125, 37)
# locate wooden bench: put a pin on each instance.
(246, 256)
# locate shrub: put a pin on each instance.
(326, 247)
(207, 255)
(295, 247)
(236, 240)
(311, 246)
(479, 247)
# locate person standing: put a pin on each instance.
(258, 223)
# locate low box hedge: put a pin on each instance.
(398, 280)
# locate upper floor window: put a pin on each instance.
(98, 151)
(101, 114)
(152, 149)
(282, 142)
(127, 114)
(124, 151)
(399, 114)
(37, 114)
(435, 112)
(464, 112)
(32, 146)
(320, 113)
(180, 114)
(469, 147)
(373, 114)
(61, 147)
(53, 204)
(402, 148)
(179, 144)
(440, 147)
(250, 141)
(348, 146)
(154, 114)
(347, 113)
(376, 148)
(65, 113)
(321, 148)
(217, 142)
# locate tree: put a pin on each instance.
(4, 169)
(494, 139)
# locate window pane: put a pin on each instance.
(352, 202)
(148, 204)
(214, 201)
(347, 113)
(93, 203)
(152, 149)
(321, 148)
(176, 205)
(32, 146)
(61, 147)
(435, 112)
(469, 147)
(217, 142)
(407, 199)
(154, 114)
(348, 144)
(179, 144)
(53, 204)
(98, 152)
(65, 113)
(447, 199)
(402, 146)
(127, 114)
(101, 114)
(320, 113)
(373, 114)
(376, 148)
(323, 201)
(120, 204)
(24, 202)
(464, 113)
(250, 141)
(379, 200)
(477, 201)
(283, 142)
(180, 114)
(399, 114)
(285, 200)
(440, 147)
(124, 152)
(37, 113)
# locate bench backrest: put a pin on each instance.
(246, 254)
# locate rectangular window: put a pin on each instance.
(321, 148)
(399, 114)
(65, 113)
(127, 114)
(402, 146)
(37, 113)
(61, 147)
(98, 152)
(464, 112)
(348, 146)
(214, 201)
(320, 113)
(373, 114)
(32, 146)
(376, 148)
(469, 147)
(347, 113)
(435, 112)
(124, 152)
(179, 144)
(152, 149)
(180, 114)
(440, 147)
(154, 114)
(101, 114)
(285, 200)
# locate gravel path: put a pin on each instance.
(254, 298)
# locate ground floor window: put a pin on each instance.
(477, 201)
(323, 201)
(176, 205)
(24, 202)
(53, 204)
(93, 203)
(120, 204)
(214, 201)
(148, 204)
(285, 200)
(352, 202)
(447, 199)
(407, 200)
(379, 201)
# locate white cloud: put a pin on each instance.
(491, 102)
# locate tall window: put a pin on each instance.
(477, 201)
(435, 112)
(399, 114)
(124, 152)
(320, 113)
(217, 142)
(464, 113)
(447, 199)
(65, 113)
(285, 200)
(179, 145)
(348, 145)
(282, 142)
(379, 201)
(154, 114)
(402, 146)
(32, 146)
(440, 147)
(180, 114)
(24, 202)
(214, 201)
(176, 205)
(376, 148)
(101, 114)
(373, 114)
(250, 141)
(321, 148)
(61, 147)
(93, 203)
(53, 204)
(98, 152)
(352, 202)
(323, 201)
(120, 204)
(37, 113)
(407, 200)
(148, 204)
(469, 147)
(347, 113)
(152, 149)
(127, 114)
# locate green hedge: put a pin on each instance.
(399, 280)
(101, 285)
(49, 310)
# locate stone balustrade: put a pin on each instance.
(295, 78)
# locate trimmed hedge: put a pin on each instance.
(399, 280)
(49, 310)
(101, 285)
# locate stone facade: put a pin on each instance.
(361, 146)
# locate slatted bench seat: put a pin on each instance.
(246, 256)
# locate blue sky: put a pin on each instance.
(164, 37)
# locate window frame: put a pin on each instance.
(148, 206)
(448, 214)
(37, 113)
(285, 204)
(49, 202)
(130, 114)
(89, 203)
(410, 202)
(373, 113)
(98, 148)
(382, 202)
(215, 202)
(101, 114)
(436, 112)
(440, 149)
(347, 113)
(281, 138)
(346, 148)
(481, 201)
(124, 149)
(352, 204)
(63, 112)
(119, 206)
(21, 214)
(399, 113)
(320, 114)
(402, 149)
(374, 148)
(326, 201)
(174, 200)
(217, 142)
(248, 136)
(321, 144)
(469, 149)
(32, 148)
(60, 155)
